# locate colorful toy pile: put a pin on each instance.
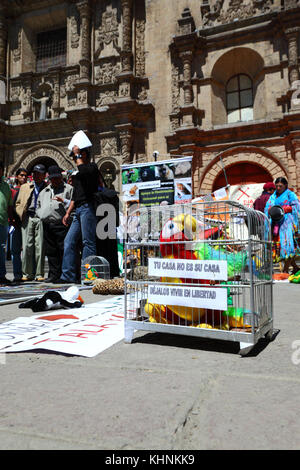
(173, 245)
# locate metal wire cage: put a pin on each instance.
(202, 269)
(93, 268)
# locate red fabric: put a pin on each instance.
(287, 209)
(260, 203)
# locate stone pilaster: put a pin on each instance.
(126, 53)
(125, 78)
(3, 44)
(126, 139)
(85, 15)
(187, 58)
(292, 37)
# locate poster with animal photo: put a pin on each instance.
(142, 181)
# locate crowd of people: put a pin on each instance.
(53, 218)
(56, 218)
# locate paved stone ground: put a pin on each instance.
(159, 392)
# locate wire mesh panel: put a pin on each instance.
(94, 268)
(200, 269)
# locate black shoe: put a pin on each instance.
(5, 281)
(62, 281)
(51, 279)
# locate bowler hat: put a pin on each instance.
(54, 171)
(39, 168)
(276, 213)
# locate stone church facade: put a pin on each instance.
(215, 79)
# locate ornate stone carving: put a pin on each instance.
(126, 140)
(291, 4)
(108, 146)
(175, 88)
(74, 32)
(106, 73)
(186, 23)
(187, 58)
(124, 89)
(27, 104)
(3, 40)
(84, 10)
(237, 10)
(108, 32)
(15, 92)
(106, 97)
(140, 48)
(36, 153)
(17, 50)
(127, 35)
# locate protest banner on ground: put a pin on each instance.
(84, 331)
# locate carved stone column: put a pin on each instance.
(126, 53)
(187, 58)
(292, 37)
(3, 43)
(126, 140)
(125, 78)
(56, 97)
(84, 10)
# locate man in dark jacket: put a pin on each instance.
(86, 182)
(260, 203)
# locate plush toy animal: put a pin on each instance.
(175, 243)
(53, 300)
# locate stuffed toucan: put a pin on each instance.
(55, 300)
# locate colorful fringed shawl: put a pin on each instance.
(286, 242)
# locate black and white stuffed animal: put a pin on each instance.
(53, 300)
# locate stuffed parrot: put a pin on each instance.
(173, 245)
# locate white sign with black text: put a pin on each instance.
(186, 296)
(188, 269)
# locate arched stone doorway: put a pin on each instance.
(265, 162)
(46, 154)
(242, 173)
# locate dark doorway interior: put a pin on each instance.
(242, 173)
(46, 161)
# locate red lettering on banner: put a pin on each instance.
(58, 340)
(76, 335)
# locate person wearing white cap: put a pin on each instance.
(86, 182)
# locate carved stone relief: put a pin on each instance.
(27, 157)
(140, 48)
(108, 146)
(106, 97)
(221, 12)
(17, 49)
(108, 32)
(74, 32)
(107, 72)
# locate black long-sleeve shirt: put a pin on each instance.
(86, 183)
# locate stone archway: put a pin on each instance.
(42, 154)
(242, 173)
(236, 155)
(110, 170)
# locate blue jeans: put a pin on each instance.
(3, 241)
(16, 248)
(83, 226)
